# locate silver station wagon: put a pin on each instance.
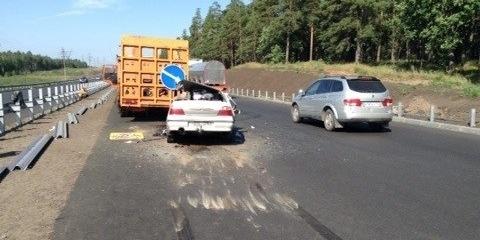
(340, 100)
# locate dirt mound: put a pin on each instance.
(259, 79)
(451, 105)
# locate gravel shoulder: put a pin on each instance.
(31, 200)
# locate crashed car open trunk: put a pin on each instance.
(200, 108)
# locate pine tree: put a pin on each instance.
(195, 32)
(232, 28)
(211, 47)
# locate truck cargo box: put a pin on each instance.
(140, 61)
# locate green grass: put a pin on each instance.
(46, 76)
(437, 79)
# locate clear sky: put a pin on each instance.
(91, 27)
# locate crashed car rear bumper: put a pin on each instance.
(196, 126)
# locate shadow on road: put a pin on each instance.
(9, 154)
(150, 116)
(350, 128)
(209, 139)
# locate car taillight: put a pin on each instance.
(176, 111)
(387, 102)
(225, 111)
(352, 102)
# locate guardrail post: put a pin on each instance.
(69, 94)
(74, 93)
(283, 97)
(473, 117)
(400, 109)
(259, 94)
(2, 116)
(237, 90)
(266, 94)
(293, 96)
(62, 97)
(274, 96)
(55, 102)
(48, 108)
(39, 101)
(432, 113)
(241, 91)
(29, 105)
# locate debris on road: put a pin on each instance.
(126, 136)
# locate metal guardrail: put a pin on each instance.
(34, 150)
(397, 109)
(61, 130)
(19, 107)
(26, 158)
(47, 84)
(72, 119)
(81, 111)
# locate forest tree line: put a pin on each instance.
(14, 63)
(424, 33)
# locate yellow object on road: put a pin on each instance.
(126, 136)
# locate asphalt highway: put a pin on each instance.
(277, 180)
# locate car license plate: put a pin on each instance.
(199, 124)
(372, 104)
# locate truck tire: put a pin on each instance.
(125, 113)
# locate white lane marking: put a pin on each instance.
(177, 79)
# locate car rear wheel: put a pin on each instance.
(329, 121)
(296, 114)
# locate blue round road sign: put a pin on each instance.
(171, 75)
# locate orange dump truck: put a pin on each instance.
(140, 62)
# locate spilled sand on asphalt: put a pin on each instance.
(220, 177)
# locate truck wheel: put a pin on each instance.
(329, 121)
(125, 113)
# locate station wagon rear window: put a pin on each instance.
(366, 86)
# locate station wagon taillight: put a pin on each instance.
(225, 111)
(387, 102)
(176, 111)
(352, 102)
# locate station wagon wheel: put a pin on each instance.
(296, 114)
(329, 121)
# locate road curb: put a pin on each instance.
(437, 125)
(416, 122)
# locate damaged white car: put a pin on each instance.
(199, 108)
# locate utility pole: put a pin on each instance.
(65, 55)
